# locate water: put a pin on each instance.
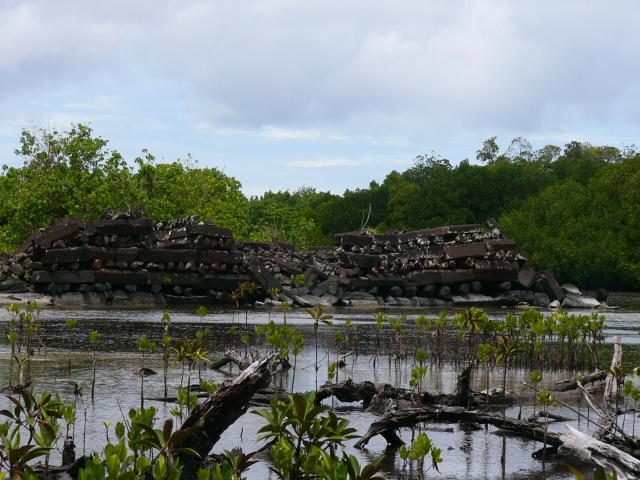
(466, 454)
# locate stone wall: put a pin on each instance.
(126, 260)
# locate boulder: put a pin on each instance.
(578, 301)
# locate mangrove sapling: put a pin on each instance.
(306, 441)
(420, 448)
(298, 280)
(13, 336)
(635, 396)
(274, 294)
(318, 317)
(94, 336)
(486, 355)
(202, 311)
(379, 319)
(536, 378)
(166, 354)
(546, 400)
(297, 341)
(286, 306)
(418, 373)
(626, 393)
(71, 324)
(147, 347)
(506, 349)
(69, 415)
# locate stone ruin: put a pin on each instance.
(125, 260)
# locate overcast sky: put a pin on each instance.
(282, 94)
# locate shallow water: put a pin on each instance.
(466, 455)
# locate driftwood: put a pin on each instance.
(393, 420)
(348, 391)
(587, 450)
(609, 400)
(212, 417)
(572, 383)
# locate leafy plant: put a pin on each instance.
(318, 318)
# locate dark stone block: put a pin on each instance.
(263, 276)
(159, 255)
(61, 232)
(602, 295)
(13, 286)
(444, 293)
(171, 279)
(359, 260)
(349, 240)
(255, 245)
(117, 277)
(66, 255)
(387, 239)
(466, 250)
(222, 282)
(63, 276)
(469, 228)
(424, 277)
(552, 287)
(16, 269)
(514, 297)
(289, 268)
(103, 254)
(454, 277)
(218, 256)
(494, 245)
(386, 281)
(541, 300)
(527, 278)
(121, 227)
(29, 242)
(208, 231)
(496, 271)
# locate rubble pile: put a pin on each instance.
(124, 259)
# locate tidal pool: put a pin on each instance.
(466, 455)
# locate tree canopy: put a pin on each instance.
(575, 209)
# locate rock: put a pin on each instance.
(541, 300)
(472, 299)
(552, 287)
(578, 301)
(514, 297)
(13, 286)
(602, 295)
(569, 288)
(555, 304)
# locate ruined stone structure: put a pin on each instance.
(126, 260)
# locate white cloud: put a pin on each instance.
(344, 79)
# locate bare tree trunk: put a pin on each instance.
(219, 411)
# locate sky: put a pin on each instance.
(284, 94)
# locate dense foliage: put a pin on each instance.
(573, 209)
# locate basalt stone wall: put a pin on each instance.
(125, 259)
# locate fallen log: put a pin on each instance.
(584, 449)
(393, 420)
(572, 383)
(212, 417)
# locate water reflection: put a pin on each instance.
(467, 454)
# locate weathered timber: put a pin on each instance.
(212, 417)
(585, 450)
(609, 404)
(393, 420)
(348, 391)
(572, 383)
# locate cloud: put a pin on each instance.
(344, 79)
